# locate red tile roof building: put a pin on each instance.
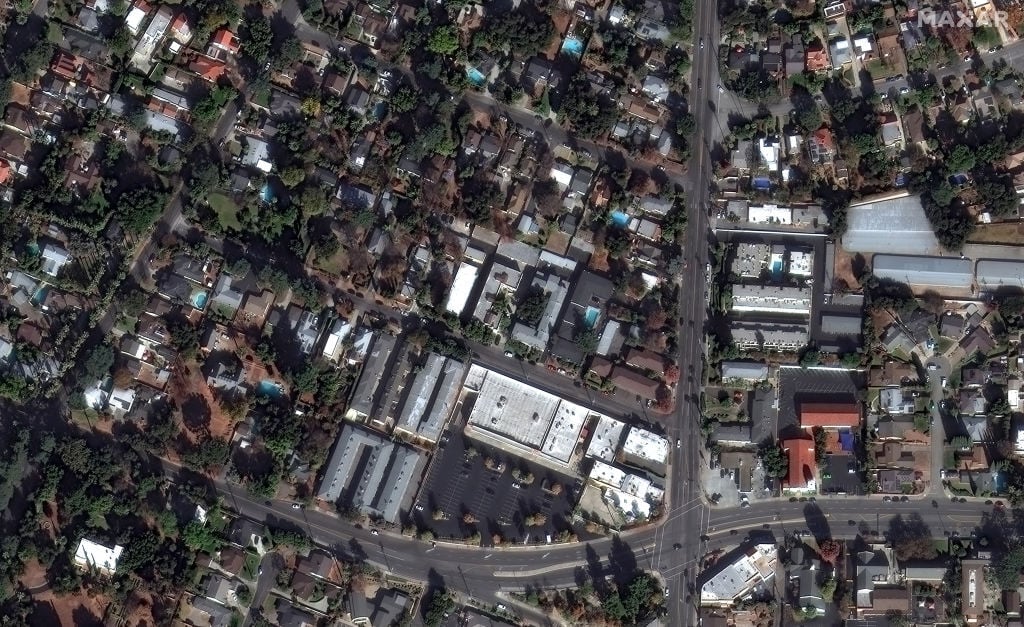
(829, 415)
(802, 464)
(225, 40)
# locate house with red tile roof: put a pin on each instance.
(181, 31)
(208, 68)
(6, 172)
(829, 415)
(224, 40)
(817, 59)
(802, 464)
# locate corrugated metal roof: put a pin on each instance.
(997, 273)
(890, 225)
(932, 271)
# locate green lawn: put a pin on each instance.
(226, 210)
(251, 567)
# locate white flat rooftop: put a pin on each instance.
(516, 412)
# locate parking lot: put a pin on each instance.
(812, 385)
(471, 487)
(837, 478)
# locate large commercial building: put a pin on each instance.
(430, 398)
(607, 439)
(646, 450)
(521, 419)
(937, 272)
(771, 299)
(741, 577)
(371, 473)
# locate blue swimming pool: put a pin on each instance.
(476, 76)
(266, 195)
(40, 295)
(762, 183)
(269, 388)
(776, 268)
(199, 299)
(573, 46)
(590, 316)
(620, 218)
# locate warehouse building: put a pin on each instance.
(934, 272)
(890, 224)
(997, 273)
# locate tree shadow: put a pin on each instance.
(817, 523)
(196, 413)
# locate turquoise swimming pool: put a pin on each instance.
(199, 299)
(573, 46)
(269, 388)
(476, 76)
(620, 218)
(590, 316)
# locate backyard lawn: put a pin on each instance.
(226, 210)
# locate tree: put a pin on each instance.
(829, 550)
(961, 159)
(828, 589)
(198, 537)
(911, 538)
(444, 40)
(1008, 568)
(519, 31)
(137, 210)
(99, 362)
(441, 604)
(532, 306)
(257, 37)
(775, 460)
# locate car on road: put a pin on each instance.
(904, 90)
(933, 366)
(679, 443)
(500, 606)
(721, 89)
(509, 354)
(296, 506)
(374, 532)
(886, 499)
(259, 571)
(419, 507)
(944, 381)
(516, 486)
(700, 83)
(701, 43)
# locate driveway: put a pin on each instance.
(937, 368)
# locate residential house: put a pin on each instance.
(821, 147)
(984, 102)
(892, 134)
(223, 42)
(816, 58)
(539, 73)
(1009, 93)
(54, 258)
(368, 24)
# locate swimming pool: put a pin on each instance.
(761, 183)
(266, 195)
(619, 218)
(40, 295)
(269, 388)
(573, 46)
(199, 299)
(476, 76)
(776, 268)
(590, 316)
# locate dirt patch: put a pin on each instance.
(880, 319)
(69, 610)
(203, 414)
(34, 576)
(21, 94)
(1004, 233)
(843, 273)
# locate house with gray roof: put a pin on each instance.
(431, 398)
(219, 615)
(226, 296)
(54, 258)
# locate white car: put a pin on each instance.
(679, 443)
(296, 506)
(501, 606)
(374, 532)
(509, 354)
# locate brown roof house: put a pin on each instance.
(632, 382)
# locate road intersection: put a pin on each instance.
(675, 546)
